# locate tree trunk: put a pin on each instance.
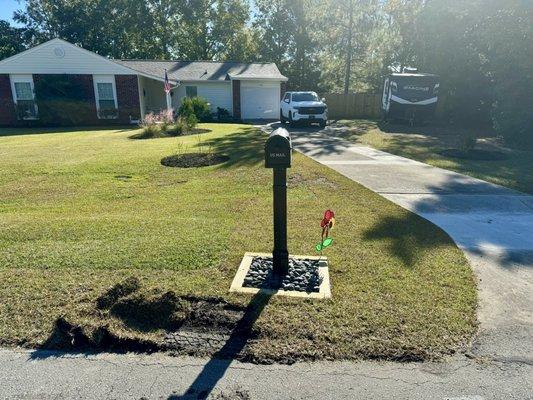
(349, 50)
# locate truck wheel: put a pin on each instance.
(291, 122)
(281, 117)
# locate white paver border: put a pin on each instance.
(324, 291)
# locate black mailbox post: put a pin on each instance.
(278, 154)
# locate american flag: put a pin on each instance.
(167, 83)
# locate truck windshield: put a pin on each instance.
(304, 97)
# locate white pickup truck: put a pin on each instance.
(303, 107)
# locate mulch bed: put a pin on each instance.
(193, 160)
(195, 131)
(169, 133)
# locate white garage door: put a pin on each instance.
(260, 100)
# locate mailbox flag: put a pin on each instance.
(167, 83)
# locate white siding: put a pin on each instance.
(60, 57)
(217, 94)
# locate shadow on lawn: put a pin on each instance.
(170, 313)
(219, 363)
(245, 147)
(190, 324)
(408, 237)
(476, 215)
(6, 132)
(435, 130)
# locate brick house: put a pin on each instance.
(123, 91)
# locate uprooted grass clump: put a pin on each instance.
(118, 291)
(148, 311)
(108, 211)
(202, 319)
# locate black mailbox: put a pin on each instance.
(278, 153)
(278, 149)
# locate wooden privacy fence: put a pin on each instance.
(353, 105)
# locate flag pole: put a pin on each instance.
(167, 92)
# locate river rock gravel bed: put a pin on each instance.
(303, 275)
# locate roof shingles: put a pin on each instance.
(204, 70)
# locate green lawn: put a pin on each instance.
(424, 144)
(82, 212)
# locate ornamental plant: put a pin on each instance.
(197, 106)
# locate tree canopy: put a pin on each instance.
(11, 40)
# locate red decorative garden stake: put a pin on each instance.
(327, 223)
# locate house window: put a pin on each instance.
(106, 97)
(24, 98)
(23, 91)
(191, 91)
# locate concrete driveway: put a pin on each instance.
(493, 225)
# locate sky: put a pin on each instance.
(6, 9)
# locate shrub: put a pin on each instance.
(24, 110)
(64, 112)
(467, 143)
(187, 115)
(165, 120)
(149, 119)
(108, 113)
(177, 128)
(513, 120)
(190, 121)
(223, 115)
(197, 106)
(61, 101)
(186, 108)
(149, 126)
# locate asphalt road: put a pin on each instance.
(47, 375)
